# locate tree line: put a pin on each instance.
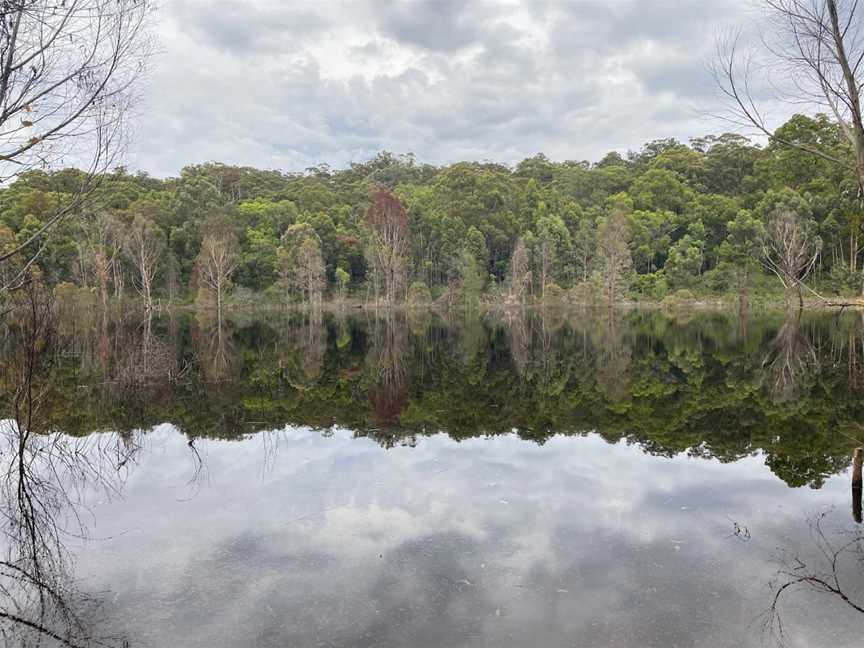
(718, 215)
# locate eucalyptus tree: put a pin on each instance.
(387, 246)
(102, 243)
(301, 264)
(144, 245)
(218, 259)
(614, 261)
(520, 272)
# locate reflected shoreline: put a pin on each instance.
(703, 384)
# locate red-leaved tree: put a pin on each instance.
(387, 245)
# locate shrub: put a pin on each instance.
(553, 294)
(419, 294)
(582, 293)
(71, 297)
(679, 298)
(652, 287)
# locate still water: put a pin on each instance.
(579, 479)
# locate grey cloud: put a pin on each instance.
(239, 27)
(246, 84)
(439, 25)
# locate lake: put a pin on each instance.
(585, 478)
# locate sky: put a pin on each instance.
(288, 85)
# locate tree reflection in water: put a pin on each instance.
(791, 361)
(832, 565)
(44, 479)
(387, 367)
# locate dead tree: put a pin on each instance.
(789, 249)
(144, 245)
(818, 45)
(217, 261)
(67, 73)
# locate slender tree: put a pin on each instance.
(520, 272)
(302, 264)
(614, 261)
(387, 223)
(217, 261)
(342, 280)
(584, 247)
(102, 241)
(144, 246)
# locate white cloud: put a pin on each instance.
(284, 85)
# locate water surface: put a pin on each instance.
(586, 479)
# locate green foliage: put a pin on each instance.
(686, 258)
(708, 385)
(694, 216)
(680, 298)
(553, 294)
(470, 280)
(650, 287)
(419, 294)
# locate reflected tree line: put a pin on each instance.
(709, 385)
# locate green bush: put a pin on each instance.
(69, 296)
(419, 294)
(582, 293)
(650, 287)
(679, 298)
(553, 294)
(842, 281)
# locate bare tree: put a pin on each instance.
(67, 70)
(217, 261)
(790, 249)
(388, 242)
(818, 45)
(144, 245)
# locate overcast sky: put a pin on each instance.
(280, 84)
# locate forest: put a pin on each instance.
(719, 217)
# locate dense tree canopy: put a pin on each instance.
(692, 217)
